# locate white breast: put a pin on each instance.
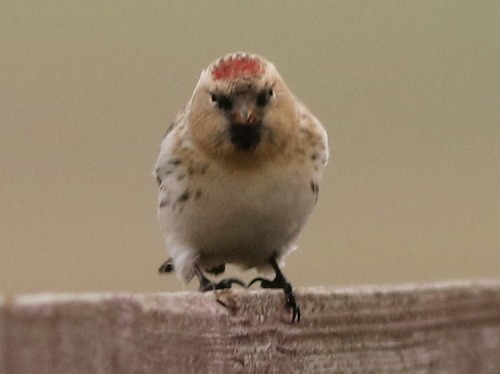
(241, 217)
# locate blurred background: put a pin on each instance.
(408, 91)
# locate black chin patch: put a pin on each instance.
(245, 137)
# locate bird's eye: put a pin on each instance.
(222, 102)
(262, 99)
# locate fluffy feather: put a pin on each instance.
(239, 168)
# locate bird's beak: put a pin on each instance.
(244, 115)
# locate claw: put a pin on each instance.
(292, 304)
(261, 280)
(280, 283)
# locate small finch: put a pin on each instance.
(238, 173)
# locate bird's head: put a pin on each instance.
(242, 110)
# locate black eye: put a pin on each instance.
(222, 102)
(262, 99)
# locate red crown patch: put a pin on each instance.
(237, 67)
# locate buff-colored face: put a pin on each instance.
(242, 111)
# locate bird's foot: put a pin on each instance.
(283, 284)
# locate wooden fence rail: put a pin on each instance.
(445, 328)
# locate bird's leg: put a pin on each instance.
(207, 285)
(280, 282)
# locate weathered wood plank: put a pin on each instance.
(452, 328)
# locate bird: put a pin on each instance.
(238, 172)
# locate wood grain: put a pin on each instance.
(445, 328)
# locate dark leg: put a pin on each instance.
(167, 266)
(207, 285)
(280, 282)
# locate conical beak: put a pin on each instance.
(244, 115)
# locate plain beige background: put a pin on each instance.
(409, 92)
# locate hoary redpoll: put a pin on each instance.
(238, 171)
